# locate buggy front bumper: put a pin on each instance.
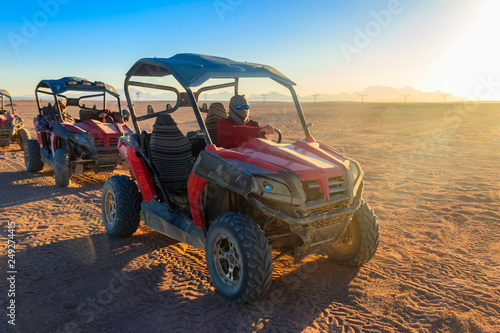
(97, 159)
(310, 220)
(318, 232)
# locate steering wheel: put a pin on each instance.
(280, 135)
(106, 115)
(263, 135)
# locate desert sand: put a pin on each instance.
(431, 175)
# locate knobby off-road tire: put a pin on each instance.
(32, 157)
(23, 137)
(238, 258)
(120, 206)
(360, 241)
(61, 167)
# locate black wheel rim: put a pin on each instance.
(110, 207)
(227, 260)
(346, 240)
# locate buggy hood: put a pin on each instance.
(100, 132)
(308, 159)
(5, 119)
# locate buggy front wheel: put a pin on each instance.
(238, 258)
(61, 168)
(360, 240)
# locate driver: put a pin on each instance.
(238, 128)
(66, 116)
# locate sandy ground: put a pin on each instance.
(432, 178)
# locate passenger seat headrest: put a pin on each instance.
(165, 120)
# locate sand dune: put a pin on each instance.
(432, 178)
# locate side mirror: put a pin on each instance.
(126, 115)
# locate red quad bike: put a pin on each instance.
(236, 204)
(11, 125)
(75, 145)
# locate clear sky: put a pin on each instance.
(326, 46)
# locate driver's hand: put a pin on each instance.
(268, 129)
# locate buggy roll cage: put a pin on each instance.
(3, 94)
(57, 88)
(192, 70)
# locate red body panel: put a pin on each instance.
(139, 169)
(6, 118)
(195, 188)
(307, 159)
(38, 134)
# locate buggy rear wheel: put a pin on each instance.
(32, 157)
(238, 258)
(23, 137)
(360, 240)
(120, 206)
(61, 167)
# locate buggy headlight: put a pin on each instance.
(17, 121)
(274, 190)
(80, 138)
(355, 172)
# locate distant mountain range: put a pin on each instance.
(389, 94)
(370, 94)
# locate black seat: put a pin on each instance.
(216, 112)
(171, 153)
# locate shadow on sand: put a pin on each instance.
(99, 283)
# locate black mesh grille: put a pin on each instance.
(313, 189)
(100, 141)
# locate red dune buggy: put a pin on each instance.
(236, 204)
(74, 145)
(11, 124)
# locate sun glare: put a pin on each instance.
(475, 59)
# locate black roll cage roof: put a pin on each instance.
(3, 94)
(57, 88)
(193, 70)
